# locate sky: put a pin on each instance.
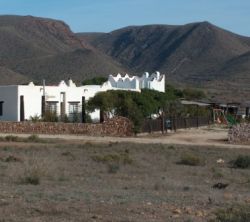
(108, 15)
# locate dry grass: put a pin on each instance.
(117, 182)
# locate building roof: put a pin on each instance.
(187, 102)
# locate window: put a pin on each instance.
(52, 107)
(73, 107)
(1, 108)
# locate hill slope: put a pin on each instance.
(38, 48)
(197, 54)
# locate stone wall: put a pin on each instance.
(118, 126)
(239, 133)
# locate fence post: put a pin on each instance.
(162, 123)
(150, 125)
(197, 116)
(174, 123)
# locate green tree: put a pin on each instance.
(95, 81)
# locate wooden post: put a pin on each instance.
(247, 111)
(174, 123)
(21, 108)
(162, 122)
(197, 116)
(83, 110)
(150, 125)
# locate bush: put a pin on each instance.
(191, 160)
(113, 167)
(32, 179)
(12, 158)
(50, 117)
(95, 81)
(239, 213)
(12, 138)
(123, 158)
(242, 162)
(33, 170)
(113, 161)
(33, 138)
(35, 118)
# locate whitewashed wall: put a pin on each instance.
(32, 94)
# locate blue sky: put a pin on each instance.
(107, 15)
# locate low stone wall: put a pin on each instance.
(239, 133)
(118, 126)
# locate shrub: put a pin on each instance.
(114, 161)
(32, 171)
(35, 118)
(12, 158)
(33, 138)
(239, 213)
(191, 160)
(113, 167)
(50, 117)
(31, 175)
(95, 81)
(242, 162)
(171, 147)
(31, 179)
(12, 138)
(123, 158)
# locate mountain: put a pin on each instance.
(198, 54)
(34, 48)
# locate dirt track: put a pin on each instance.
(206, 136)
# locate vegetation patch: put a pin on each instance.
(114, 160)
(217, 174)
(30, 139)
(191, 160)
(11, 138)
(31, 179)
(242, 162)
(239, 213)
(68, 154)
(32, 171)
(34, 138)
(140, 106)
(12, 158)
(113, 167)
(122, 158)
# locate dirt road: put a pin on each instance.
(212, 136)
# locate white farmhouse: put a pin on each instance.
(21, 102)
(156, 82)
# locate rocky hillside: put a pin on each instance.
(35, 48)
(194, 55)
(198, 54)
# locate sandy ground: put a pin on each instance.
(105, 179)
(205, 136)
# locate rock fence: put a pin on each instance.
(239, 133)
(118, 126)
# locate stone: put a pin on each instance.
(117, 126)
